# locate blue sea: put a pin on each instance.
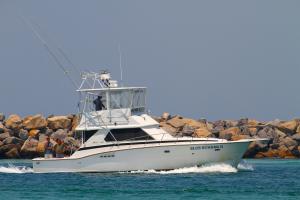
(253, 179)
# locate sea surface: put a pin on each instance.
(254, 179)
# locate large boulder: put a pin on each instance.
(278, 136)
(6, 148)
(271, 153)
(202, 132)
(284, 152)
(253, 122)
(228, 133)
(290, 125)
(34, 133)
(194, 123)
(254, 148)
(3, 136)
(29, 147)
(34, 122)
(239, 137)
(59, 122)
(12, 153)
(60, 134)
(168, 128)
(176, 122)
(275, 122)
(252, 131)
(289, 143)
(13, 140)
(13, 122)
(187, 130)
(243, 122)
(296, 137)
(23, 134)
(267, 132)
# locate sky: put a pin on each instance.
(198, 58)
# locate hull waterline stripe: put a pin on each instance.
(145, 142)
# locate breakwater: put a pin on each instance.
(26, 137)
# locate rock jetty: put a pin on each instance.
(26, 137)
(284, 136)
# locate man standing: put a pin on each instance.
(48, 148)
(59, 148)
(98, 103)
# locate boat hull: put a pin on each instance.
(145, 157)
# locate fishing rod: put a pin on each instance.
(51, 53)
(59, 48)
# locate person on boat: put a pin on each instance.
(59, 148)
(98, 103)
(48, 148)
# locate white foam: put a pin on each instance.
(15, 169)
(212, 168)
(243, 166)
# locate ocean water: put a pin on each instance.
(253, 179)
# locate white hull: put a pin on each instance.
(159, 156)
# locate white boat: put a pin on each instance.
(118, 135)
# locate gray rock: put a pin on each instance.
(23, 134)
(13, 140)
(72, 142)
(274, 146)
(188, 130)
(243, 122)
(289, 142)
(245, 130)
(296, 137)
(220, 124)
(60, 134)
(256, 147)
(48, 132)
(6, 148)
(275, 122)
(267, 132)
(30, 145)
(3, 136)
(2, 117)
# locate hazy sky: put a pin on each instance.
(202, 59)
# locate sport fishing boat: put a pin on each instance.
(118, 135)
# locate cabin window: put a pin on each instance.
(129, 134)
(88, 134)
(119, 99)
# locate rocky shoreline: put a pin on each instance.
(26, 137)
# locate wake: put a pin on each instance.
(211, 168)
(12, 169)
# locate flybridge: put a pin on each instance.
(101, 98)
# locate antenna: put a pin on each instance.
(52, 54)
(120, 59)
